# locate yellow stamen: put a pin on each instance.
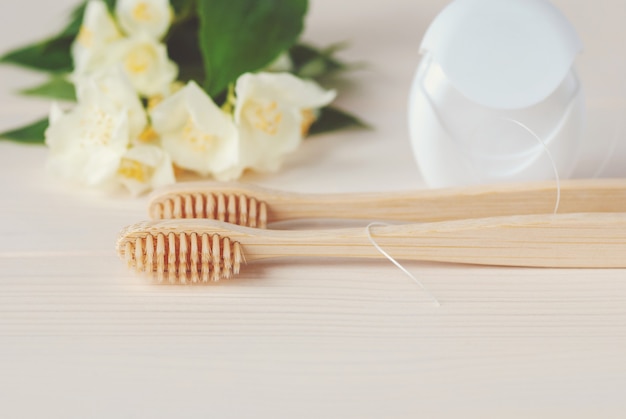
(96, 127)
(180, 172)
(142, 12)
(132, 169)
(85, 37)
(308, 117)
(148, 135)
(198, 139)
(140, 60)
(268, 118)
(176, 86)
(154, 101)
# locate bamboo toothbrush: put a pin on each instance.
(255, 207)
(197, 250)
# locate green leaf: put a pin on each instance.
(182, 7)
(237, 36)
(76, 19)
(52, 55)
(29, 134)
(333, 119)
(55, 88)
(314, 63)
(111, 4)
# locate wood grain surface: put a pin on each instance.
(83, 337)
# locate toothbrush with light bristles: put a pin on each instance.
(254, 206)
(197, 250)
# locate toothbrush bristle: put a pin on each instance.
(183, 257)
(235, 209)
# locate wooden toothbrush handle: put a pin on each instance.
(596, 195)
(556, 241)
(427, 205)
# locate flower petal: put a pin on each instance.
(269, 115)
(87, 143)
(145, 167)
(146, 64)
(98, 30)
(283, 87)
(151, 17)
(114, 87)
(197, 134)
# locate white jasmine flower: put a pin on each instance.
(145, 167)
(146, 64)
(97, 32)
(152, 17)
(115, 87)
(270, 112)
(87, 143)
(197, 134)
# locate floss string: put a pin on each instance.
(368, 231)
(557, 178)
(546, 151)
(548, 154)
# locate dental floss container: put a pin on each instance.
(495, 89)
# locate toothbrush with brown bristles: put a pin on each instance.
(254, 206)
(197, 250)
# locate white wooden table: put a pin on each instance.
(81, 337)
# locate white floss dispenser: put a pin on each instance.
(496, 96)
